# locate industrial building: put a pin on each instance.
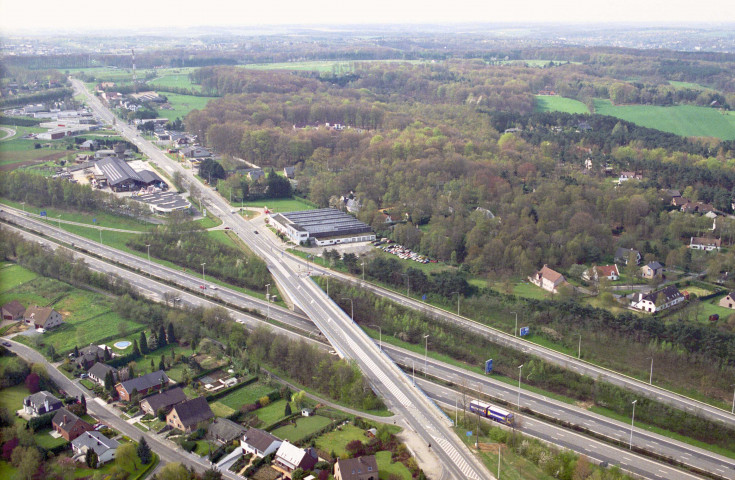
(163, 202)
(326, 226)
(121, 177)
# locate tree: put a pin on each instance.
(33, 383)
(76, 351)
(144, 451)
(107, 355)
(161, 336)
(170, 337)
(161, 413)
(143, 343)
(298, 398)
(212, 474)
(136, 350)
(211, 169)
(174, 471)
(287, 411)
(125, 456)
(91, 458)
(83, 403)
(162, 364)
(109, 381)
(298, 474)
(26, 460)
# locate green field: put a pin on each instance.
(387, 468)
(176, 80)
(12, 399)
(182, 105)
(273, 412)
(693, 86)
(545, 103)
(44, 440)
(246, 395)
(322, 66)
(336, 440)
(278, 204)
(12, 275)
(22, 151)
(7, 470)
(684, 120)
(304, 426)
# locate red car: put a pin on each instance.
(203, 287)
(227, 228)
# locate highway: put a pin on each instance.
(416, 409)
(538, 403)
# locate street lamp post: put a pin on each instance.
(426, 353)
(515, 332)
(59, 217)
(413, 371)
(352, 308)
(24, 206)
(650, 377)
(632, 420)
(408, 284)
(203, 280)
(457, 301)
(380, 329)
(579, 349)
(363, 271)
(733, 400)
(268, 299)
(520, 369)
(148, 245)
(327, 275)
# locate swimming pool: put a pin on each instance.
(122, 345)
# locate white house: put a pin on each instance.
(41, 403)
(703, 243)
(595, 273)
(547, 279)
(104, 447)
(728, 301)
(658, 300)
(259, 442)
(289, 457)
(42, 317)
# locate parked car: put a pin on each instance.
(7, 344)
(203, 287)
(41, 330)
(213, 287)
(83, 375)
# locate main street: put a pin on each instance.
(566, 413)
(417, 410)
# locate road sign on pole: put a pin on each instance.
(43, 213)
(525, 331)
(489, 366)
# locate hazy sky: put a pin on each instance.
(41, 15)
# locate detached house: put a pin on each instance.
(42, 317)
(290, 457)
(547, 279)
(361, 468)
(13, 311)
(594, 274)
(728, 301)
(164, 400)
(144, 385)
(259, 442)
(623, 254)
(652, 270)
(104, 447)
(658, 300)
(99, 371)
(90, 355)
(41, 403)
(69, 425)
(187, 415)
(706, 244)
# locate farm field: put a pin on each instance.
(322, 66)
(684, 120)
(182, 105)
(336, 440)
(278, 204)
(19, 151)
(304, 426)
(246, 395)
(546, 103)
(176, 80)
(13, 275)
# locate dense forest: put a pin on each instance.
(427, 143)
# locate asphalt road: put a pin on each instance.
(538, 403)
(417, 411)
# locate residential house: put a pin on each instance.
(360, 468)
(198, 153)
(99, 371)
(697, 207)
(595, 273)
(679, 201)
(290, 457)
(104, 447)
(728, 301)
(187, 415)
(42, 317)
(652, 270)
(89, 355)
(69, 425)
(164, 400)
(625, 176)
(224, 431)
(41, 403)
(658, 300)
(88, 145)
(259, 442)
(703, 243)
(144, 385)
(254, 174)
(13, 311)
(547, 279)
(623, 254)
(289, 172)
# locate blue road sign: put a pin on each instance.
(94, 220)
(469, 433)
(525, 331)
(489, 366)
(423, 297)
(43, 213)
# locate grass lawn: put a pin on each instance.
(181, 105)
(176, 80)
(545, 103)
(221, 410)
(246, 395)
(43, 439)
(707, 308)
(22, 151)
(88, 384)
(104, 219)
(336, 440)
(203, 448)
(387, 468)
(304, 426)
(7, 470)
(12, 399)
(292, 204)
(144, 363)
(685, 120)
(12, 275)
(273, 412)
(529, 290)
